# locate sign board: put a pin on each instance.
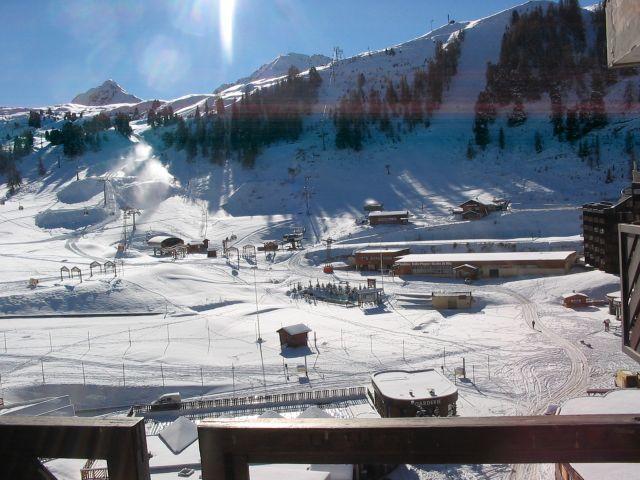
(629, 237)
(623, 32)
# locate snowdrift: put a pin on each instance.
(80, 191)
(106, 295)
(71, 219)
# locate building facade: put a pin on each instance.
(600, 222)
(488, 265)
(398, 217)
(401, 393)
(373, 258)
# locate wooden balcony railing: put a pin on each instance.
(227, 447)
(119, 441)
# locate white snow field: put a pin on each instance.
(191, 324)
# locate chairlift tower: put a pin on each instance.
(337, 56)
(328, 242)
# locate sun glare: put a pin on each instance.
(227, 9)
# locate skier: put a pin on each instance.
(533, 324)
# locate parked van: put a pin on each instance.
(168, 401)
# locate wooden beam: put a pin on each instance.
(227, 446)
(120, 441)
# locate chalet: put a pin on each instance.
(294, 335)
(198, 246)
(472, 210)
(375, 258)
(401, 393)
(392, 217)
(212, 252)
(451, 300)
(163, 244)
(572, 300)
(492, 265)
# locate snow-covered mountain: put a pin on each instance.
(280, 66)
(108, 93)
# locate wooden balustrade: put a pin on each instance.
(227, 447)
(120, 441)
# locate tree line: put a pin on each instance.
(258, 119)
(545, 52)
(413, 102)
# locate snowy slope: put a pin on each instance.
(106, 94)
(280, 66)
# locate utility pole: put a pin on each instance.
(124, 226)
(307, 191)
(255, 289)
(381, 272)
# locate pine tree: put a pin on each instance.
(14, 178)
(572, 128)
(517, 116)
(609, 176)
(471, 152)
(219, 106)
(41, 170)
(629, 95)
(629, 143)
(35, 120)
(537, 140)
(121, 124)
(501, 139)
(481, 131)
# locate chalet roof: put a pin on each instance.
(473, 202)
(478, 257)
(574, 294)
(197, 241)
(466, 266)
(390, 213)
(296, 329)
(159, 239)
(378, 251)
(413, 385)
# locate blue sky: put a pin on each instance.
(52, 50)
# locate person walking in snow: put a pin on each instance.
(533, 324)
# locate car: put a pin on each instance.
(168, 401)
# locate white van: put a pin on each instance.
(167, 401)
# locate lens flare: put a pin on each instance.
(227, 9)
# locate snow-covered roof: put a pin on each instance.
(466, 265)
(614, 295)
(413, 385)
(451, 294)
(179, 434)
(379, 251)
(296, 329)
(624, 401)
(484, 257)
(574, 294)
(157, 240)
(314, 412)
(389, 213)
